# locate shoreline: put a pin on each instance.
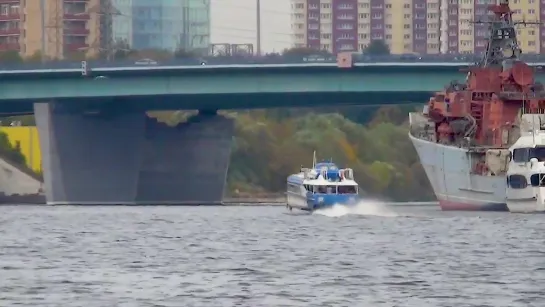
(228, 202)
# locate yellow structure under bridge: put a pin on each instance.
(26, 138)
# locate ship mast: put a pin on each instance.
(502, 46)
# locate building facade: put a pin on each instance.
(165, 24)
(122, 24)
(54, 28)
(408, 26)
(59, 28)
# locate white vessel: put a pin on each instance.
(323, 185)
(456, 174)
(526, 174)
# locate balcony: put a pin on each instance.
(76, 46)
(10, 47)
(76, 31)
(76, 16)
(10, 31)
(10, 17)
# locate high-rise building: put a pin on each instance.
(122, 24)
(53, 27)
(408, 26)
(163, 24)
(57, 28)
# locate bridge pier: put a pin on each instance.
(115, 158)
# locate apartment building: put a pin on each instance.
(408, 26)
(54, 27)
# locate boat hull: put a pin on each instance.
(448, 170)
(318, 201)
(524, 206)
(528, 200)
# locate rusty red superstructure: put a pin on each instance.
(470, 122)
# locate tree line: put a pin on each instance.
(267, 148)
(122, 51)
(271, 144)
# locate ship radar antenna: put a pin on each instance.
(502, 47)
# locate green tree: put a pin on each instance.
(121, 50)
(305, 52)
(25, 120)
(78, 55)
(36, 57)
(154, 54)
(12, 57)
(377, 47)
(182, 53)
(9, 152)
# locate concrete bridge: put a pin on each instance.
(99, 147)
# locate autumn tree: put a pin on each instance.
(268, 147)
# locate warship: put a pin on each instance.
(464, 133)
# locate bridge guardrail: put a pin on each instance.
(262, 60)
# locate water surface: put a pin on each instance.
(266, 256)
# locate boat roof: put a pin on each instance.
(529, 141)
(300, 179)
(326, 165)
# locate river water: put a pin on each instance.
(267, 256)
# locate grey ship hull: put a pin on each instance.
(448, 170)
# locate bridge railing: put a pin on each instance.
(260, 60)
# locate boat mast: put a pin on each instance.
(314, 160)
(502, 43)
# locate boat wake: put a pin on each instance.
(373, 208)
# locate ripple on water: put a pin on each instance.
(142, 256)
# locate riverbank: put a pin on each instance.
(251, 201)
(229, 202)
(281, 201)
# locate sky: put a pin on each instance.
(234, 22)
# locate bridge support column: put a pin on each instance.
(128, 158)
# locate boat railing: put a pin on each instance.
(521, 96)
(347, 173)
(324, 173)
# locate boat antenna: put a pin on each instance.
(314, 160)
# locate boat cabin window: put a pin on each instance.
(331, 189)
(347, 189)
(537, 180)
(525, 154)
(517, 182)
(520, 155)
(538, 152)
(294, 188)
(325, 189)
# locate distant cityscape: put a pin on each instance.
(409, 26)
(56, 28)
